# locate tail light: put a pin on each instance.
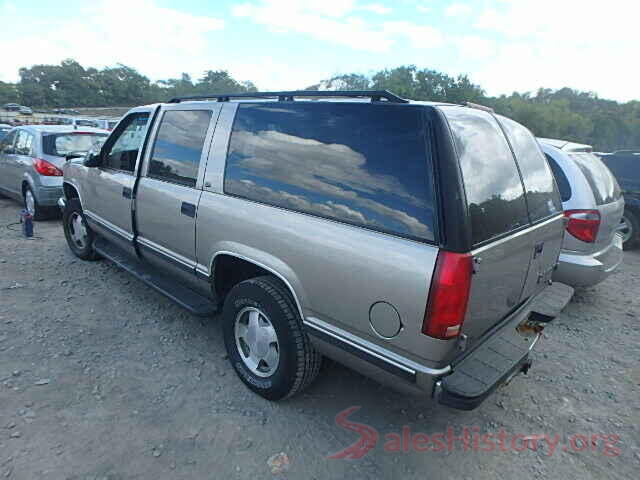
(583, 224)
(46, 168)
(449, 295)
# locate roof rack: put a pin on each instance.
(374, 95)
(477, 106)
(627, 151)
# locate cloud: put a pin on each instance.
(320, 20)
(141, 34)
(578, 45)
(458, 10)
(376, 8)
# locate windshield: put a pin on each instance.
(86, 123)
(604, 185)
(65, 143)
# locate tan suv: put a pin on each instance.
(404, 239)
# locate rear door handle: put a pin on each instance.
(126, 192)
(188, 209)
(538, 249)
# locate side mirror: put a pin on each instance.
(72, 155)
(92, 160)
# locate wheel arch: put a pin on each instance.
(250, 268)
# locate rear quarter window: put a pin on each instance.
(362, 164)
(602, 182)
(543, 198)
(561, 179)
(493, 188)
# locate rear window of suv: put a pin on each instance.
(492, 182)
(603, 184)
(362, 164)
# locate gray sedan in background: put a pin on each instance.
(593, 205)
(31, 160)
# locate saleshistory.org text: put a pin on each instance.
(468, 439)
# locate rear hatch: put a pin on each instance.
(515, 213)
(608, 199)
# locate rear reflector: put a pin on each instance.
(45, 168)
(449, 295)
(583, 224)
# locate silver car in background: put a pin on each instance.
(31, 160)
(593, 206)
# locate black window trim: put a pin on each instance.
(429, 148)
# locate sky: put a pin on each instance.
(503, 45)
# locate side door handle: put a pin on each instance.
(188, 209)
(126, 192)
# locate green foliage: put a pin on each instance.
(566, 113)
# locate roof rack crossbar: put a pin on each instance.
(374, 95)
(477, 106)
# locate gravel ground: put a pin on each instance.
(103, 378)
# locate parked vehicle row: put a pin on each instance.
(31, 161)
(625, 165)
(411, 241)
(14, 107)
(593, 205)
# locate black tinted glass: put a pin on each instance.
(626, 169)
(603, 184)
(176, 153)
(492, 182)
(358, 163)
(543, 198)
(561, 179)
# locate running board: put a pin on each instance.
(183, 296)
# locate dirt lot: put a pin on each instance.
(102, 378)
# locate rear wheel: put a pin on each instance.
(629, 229)
(33, 207)
(78, 234)
(265, 342)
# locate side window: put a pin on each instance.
(561, 179)
(178, 147)
(362, 164)
(495, 196)
(543, 198)
(24, 143)
(121, 150)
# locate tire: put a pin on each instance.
(298, 362)
(30, 203)
(633, 224)
(73, 221)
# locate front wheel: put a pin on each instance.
(265, 342)
(78, 234)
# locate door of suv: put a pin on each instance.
(108, 190)
(170, 186)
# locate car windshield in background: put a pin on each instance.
(3, 132)
(86, 123)
(64, 143)
(604, 185)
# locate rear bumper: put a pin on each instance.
(48, 196)
(443, 384)
(584, 270)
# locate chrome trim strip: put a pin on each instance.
(374, 350)
(166, 252)
(109, 226)
(202, 270)
(517, 234)
(242, 257)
